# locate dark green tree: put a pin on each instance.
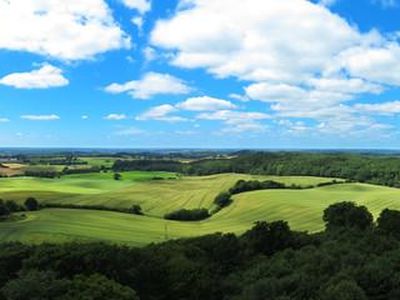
(35, 285)
(347, 215)
(117, 176)
(12, 206)
(136, 209)
(389, 222)
(344, 290)
(4, 211)
(31, 204)
(97, 286)
(268, 238)
(223, 199)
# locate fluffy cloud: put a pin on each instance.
(4, 120)
(115, 117)
(218, 109)
(232, 117)
(378, 64)
(150, 54)
(385, 108)
(138, 22)
(237, 121)
(142, 6)
(150, 85)
(263, 45)
(277, 47)
(315, 94)
(47, 76)
(161, 113)
(52, 117)
(205, 103)
(67, 30)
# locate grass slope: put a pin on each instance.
(156, 197)
(301, 208)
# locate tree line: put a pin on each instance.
(376, 169)
(354, 258)
(10, 206)
(7, 208)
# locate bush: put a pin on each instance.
(223, 199)
(4, 211)
(253, 185)
(85, 206)
(31, 204)
(117, 176)
(13, 206)
(135, 209)
(188, 214)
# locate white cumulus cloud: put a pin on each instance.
(205, 103)
(237, 121)
(150, 85)
(51, 117)
(115, 117)
(142, 6)
(47, 76)
(384, 108)
(66, 30)
(161, 113)
(255, 39)
(299, 57)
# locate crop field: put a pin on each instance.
(99, 161)
(301, 208)
(155, 196)
(11, 169)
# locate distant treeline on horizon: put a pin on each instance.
(195, 152)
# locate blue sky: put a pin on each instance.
(200, 73)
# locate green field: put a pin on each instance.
(301, 208)
(156, 197)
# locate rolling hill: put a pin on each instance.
(301, 208)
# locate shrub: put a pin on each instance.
(31, 204)
(136, 209)
(188, 214)
(13, 206)
(4, 211)
(223, 199)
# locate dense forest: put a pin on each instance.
(382, 169)
(353, 258)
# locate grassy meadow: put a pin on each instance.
(301, 208)
(156, 197)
